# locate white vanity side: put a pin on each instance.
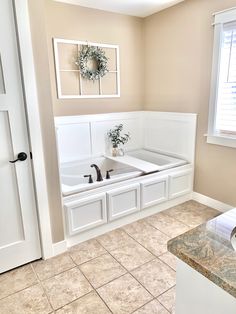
(201, 296)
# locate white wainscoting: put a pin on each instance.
(81, 137)
(171, 133)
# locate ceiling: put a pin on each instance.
(141, 8)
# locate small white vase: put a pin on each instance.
(115, 151)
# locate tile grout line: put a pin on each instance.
(61, 307)
(128, 272)
(96, 289)
(41, 285)
(144, 246)
(164, 293)
(163, 231)
(61, 272)
(31, 285)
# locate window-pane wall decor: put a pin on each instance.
(72, 83)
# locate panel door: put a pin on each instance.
(19, 235)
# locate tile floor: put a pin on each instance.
(124, 271)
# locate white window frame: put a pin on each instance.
(214, 136)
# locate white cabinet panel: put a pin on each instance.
(154, 191)
(86, 213)
(180, 183)
(123, 201)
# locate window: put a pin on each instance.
(222, 113)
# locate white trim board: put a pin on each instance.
(208, 201)
(34, 125)
(80, 94)
(59, 247)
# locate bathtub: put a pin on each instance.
(72, 174)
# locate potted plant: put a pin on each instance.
(117, 139)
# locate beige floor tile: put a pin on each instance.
(167, 224)
(132, 255)
(114, 239)
(153, 307)
(101, 270)
(53, 266)
(124, 295)
(186, 206)
(155, 276)
(137, 227)
(66, 287)
(88, 304)
(149, 237)
(168, 299)
(208, 213)
(192, 213)
(86, 251)
(190, 217)
(29, 301)
(169, 259)
(16, 280)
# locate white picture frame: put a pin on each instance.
(59, 70)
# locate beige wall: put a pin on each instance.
(178, 57)
(74, 22)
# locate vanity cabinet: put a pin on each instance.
(123, 201)
(180, 183)
(86, 213)
(154, 191)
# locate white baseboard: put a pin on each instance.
(211, 202)
(59, 247)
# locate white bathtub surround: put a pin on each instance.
(81, 137)
(143, 181)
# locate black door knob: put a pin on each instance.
(20, 157)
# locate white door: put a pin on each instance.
(19, 235)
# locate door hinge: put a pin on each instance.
(31, 155)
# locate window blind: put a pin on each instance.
(226, 100)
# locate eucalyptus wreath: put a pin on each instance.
(89, 53)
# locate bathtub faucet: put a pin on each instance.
(99, 175)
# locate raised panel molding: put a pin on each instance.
(154, 191)
(123, 201)
(86, 213)
(180, 183)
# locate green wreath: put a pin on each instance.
(98, 57)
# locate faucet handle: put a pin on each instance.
(108, 173)
(90, 178)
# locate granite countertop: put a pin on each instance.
(208, 254)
